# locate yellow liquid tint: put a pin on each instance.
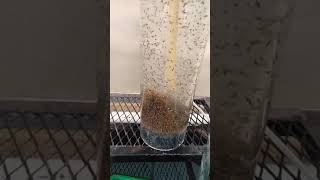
(170, 73)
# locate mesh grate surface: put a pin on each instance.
(125, 121)
(62, 146)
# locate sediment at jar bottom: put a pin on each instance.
(163, 114)
(161, 141)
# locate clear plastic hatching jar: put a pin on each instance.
(174, 35)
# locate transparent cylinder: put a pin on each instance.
(174, 37)
(249, 37)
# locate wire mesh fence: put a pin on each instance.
(62, 146)
(44, 148)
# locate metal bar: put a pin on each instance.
(308, 173)
(47, 105)
(147, 151)
(103, 88)
(90, 123)
(143, 158)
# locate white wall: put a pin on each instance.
(125, 60)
